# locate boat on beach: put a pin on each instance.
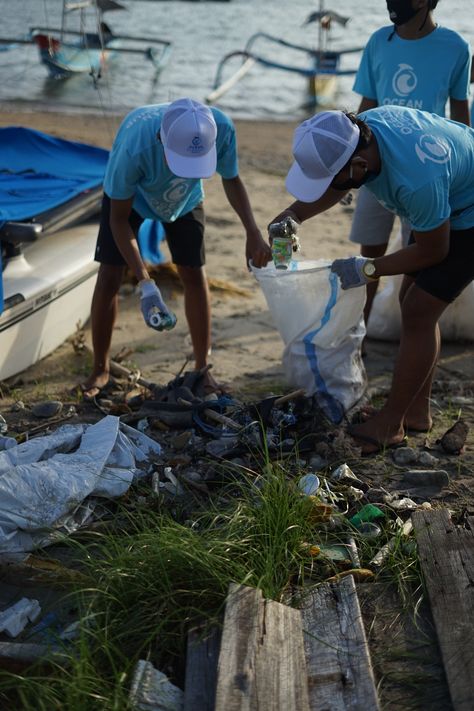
(51, 190)
(67, 51)
(322, 63)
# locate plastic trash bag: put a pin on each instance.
(322, 327)
(46, 478)
(456, 323)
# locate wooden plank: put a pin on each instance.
(201, 669)
(261, 662)
(447, 560)
(340, 674)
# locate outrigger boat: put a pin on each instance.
(67, 52)
(321, 71)
(50, 189)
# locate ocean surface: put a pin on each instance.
(201, 34)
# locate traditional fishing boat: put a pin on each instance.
(50, 189)
(66, 51)
(322, 68)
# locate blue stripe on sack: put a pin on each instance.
(333, 404)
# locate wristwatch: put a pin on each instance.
(369, 269)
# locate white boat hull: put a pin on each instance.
(47, 294)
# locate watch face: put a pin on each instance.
(369, 268)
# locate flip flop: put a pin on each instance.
(381, 446)
(96, 390)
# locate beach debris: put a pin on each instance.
(344, 475)
(369, 530)
(454, 439)
(3, 425)
(151, 690)
(14, 619)
(49, 408)
(18, 406)
(367, 514)
(403, 504)
(309, 484)
(7, 443)
(384, 552)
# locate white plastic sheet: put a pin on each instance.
(322, 328)
(47, 478)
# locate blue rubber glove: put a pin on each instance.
(151, 303)
(350, 272)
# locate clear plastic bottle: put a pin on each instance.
(161, 320)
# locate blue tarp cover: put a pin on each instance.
(39, 172)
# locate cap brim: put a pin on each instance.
(304, 188)
(183, 167)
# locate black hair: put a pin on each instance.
(365, 137)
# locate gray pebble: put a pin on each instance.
(427, 459)
(427, 477)
(50, 408)
(404, 455)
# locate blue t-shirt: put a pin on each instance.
(427, 173)
(137, 166)
(420, 74)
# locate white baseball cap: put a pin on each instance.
(188, 133)
(322, 145)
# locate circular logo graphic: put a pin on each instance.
(432, 148)
(404, 80)
(196, 141)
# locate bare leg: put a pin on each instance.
(198, 311)
(371, 252)
(103, 316)
(417, 356)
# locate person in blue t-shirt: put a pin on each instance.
(159, 157)
(414, 63)
(421, 167)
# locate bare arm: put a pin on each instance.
(429, 248)
(459, 111)
(125, 239)
(256, 247)
(366, 104)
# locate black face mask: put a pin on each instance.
(400, 11)
(352, 184)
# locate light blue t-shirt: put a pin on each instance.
(420, 74)
(137, 166)
(427, 173)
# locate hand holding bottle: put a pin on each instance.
(155, 312)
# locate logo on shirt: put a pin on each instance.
(432, 148)
(404, 80)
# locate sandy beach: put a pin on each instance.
(245, 345)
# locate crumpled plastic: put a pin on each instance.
(46, 478)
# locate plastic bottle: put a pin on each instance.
(161, 320)
(284, 242)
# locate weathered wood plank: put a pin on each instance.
(447, 560)
(340, 674)
(201, 669)
(261, 662)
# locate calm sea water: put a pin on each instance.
(201, 33)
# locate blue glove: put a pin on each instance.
(153, 307)
(350, 272)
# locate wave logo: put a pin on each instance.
(434, 149)
(404, 80)
(196, 145)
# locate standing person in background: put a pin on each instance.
(417, 64)
(155, 170)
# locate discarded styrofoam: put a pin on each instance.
(14, 619)
(151, 690)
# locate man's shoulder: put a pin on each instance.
(381, 35)
(450, 37)
(152, 113)
(222, 120)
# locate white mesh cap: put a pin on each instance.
(188, 133)
(322, 145)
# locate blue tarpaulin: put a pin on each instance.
(39, 172)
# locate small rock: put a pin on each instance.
(18, 406)
(427, 459)
(404, 455)
(427, 477)
(49, 408)
(182, 439)
(454, 439)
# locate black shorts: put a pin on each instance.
(447, 279)
(185, 237)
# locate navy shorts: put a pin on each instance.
(185, 237)
(447, 279)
